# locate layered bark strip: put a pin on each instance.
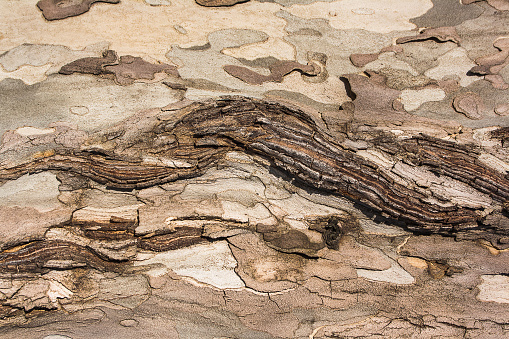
(184, 142)
(41, 256)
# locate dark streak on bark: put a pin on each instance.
(292, 142)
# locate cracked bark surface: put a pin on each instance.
(283, 169)
(176, 149)
(327, 266)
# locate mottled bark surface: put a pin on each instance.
(277, 170)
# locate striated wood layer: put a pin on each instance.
(292, 142)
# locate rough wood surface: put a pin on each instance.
(176, 149)
(283, 169)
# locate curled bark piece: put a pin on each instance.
(319, 62)
(90, 65)
(440, 34)
(371, 93)
(470, 104)
(132, 68)
(126, 70)
(195, 137)
(61, 9)
(219, 3)
(277, 72)
(361, 60)
(491, 65)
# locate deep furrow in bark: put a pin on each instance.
(286, 137)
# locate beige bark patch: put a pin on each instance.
(454, 63)
(212, 264)
(57, 291)
(377, 157)
(103, 215)
(494, 288)
(389, 60)
(494, 162)
(28, 74)
(417, 262)
(28, 131)
(39, 191)
(133, 27)
(331, 91)
(372, 15)
(241, 213)
(274, 47)
(413, 99)
(395, 275)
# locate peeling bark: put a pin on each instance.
(364, 195)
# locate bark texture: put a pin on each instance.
(266, 169)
